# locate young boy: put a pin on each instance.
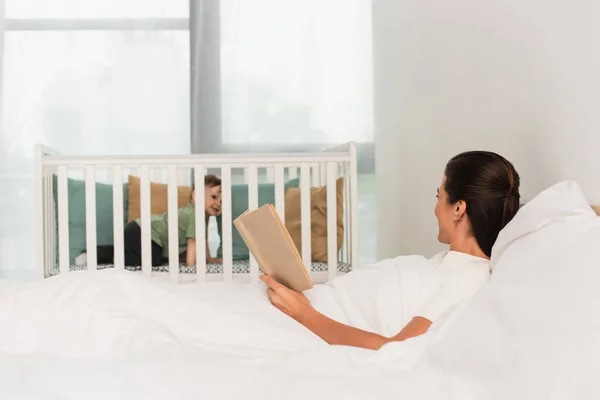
(187, 229)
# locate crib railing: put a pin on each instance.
(313, 169)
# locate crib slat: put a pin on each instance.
(46, 183)
(118, 241)
(145, 221)
(173, 224)
(305, 216)
(346, 247)
(63, 220)
(53, 241)
(252, 174)
(90, 217)
(41, 238)
(226, 216)
(280, 192)
(199, 173)
(353, 203)
(42, 182)
(331, 220)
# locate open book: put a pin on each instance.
(273, 248)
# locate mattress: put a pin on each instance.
(239, 267)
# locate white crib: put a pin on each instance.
(312, 169)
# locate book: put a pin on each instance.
(273, 248)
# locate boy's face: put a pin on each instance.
(212, 200)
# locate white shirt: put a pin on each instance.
(461, 276)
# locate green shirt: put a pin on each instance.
(159, 228)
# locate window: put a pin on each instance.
(96, 76)
(290, 69)
(86, 77)
(293, 74)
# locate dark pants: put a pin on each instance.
(133, 247)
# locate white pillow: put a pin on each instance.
(559, 203)
(534, 330)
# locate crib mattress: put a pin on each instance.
(239, 267)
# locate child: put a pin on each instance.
(187, 229)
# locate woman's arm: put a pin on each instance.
(334, 332)
(298, 307)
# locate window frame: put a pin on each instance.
(96, 24)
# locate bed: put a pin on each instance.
(70, 188)
(530, 333)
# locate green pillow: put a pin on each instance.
(239, 204)
(104, 214)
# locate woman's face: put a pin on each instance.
(444, 213)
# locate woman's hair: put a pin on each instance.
(489, 185)
(210, 181)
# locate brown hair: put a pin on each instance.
(210, 181)
(489, 185)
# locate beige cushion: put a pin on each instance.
(318, 216)
(158, 198)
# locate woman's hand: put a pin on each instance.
(294, 304)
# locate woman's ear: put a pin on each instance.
(460, 208)
(193, 196)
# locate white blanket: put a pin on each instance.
(115, 334)
(379, 298)
(530, 333)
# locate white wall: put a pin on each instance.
(521, 78)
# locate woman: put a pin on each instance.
(478, 196)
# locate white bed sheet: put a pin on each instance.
(531, 333)
(118, 334)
